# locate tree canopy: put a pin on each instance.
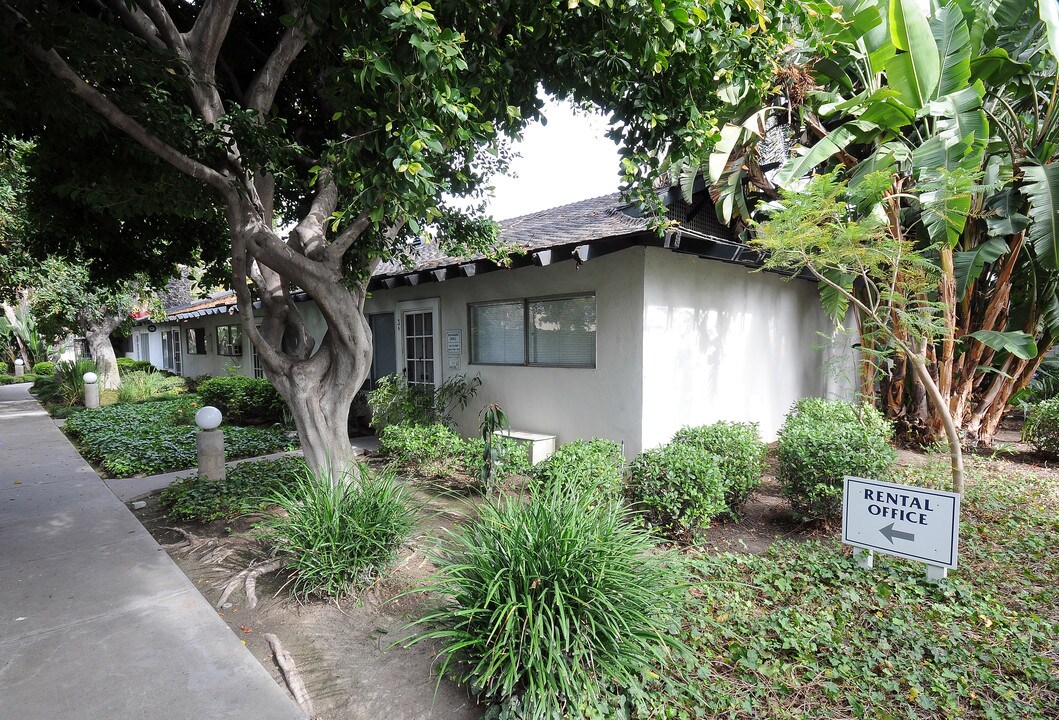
(352, 122)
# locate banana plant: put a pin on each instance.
(957, 103)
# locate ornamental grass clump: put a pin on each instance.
(139, 386)
(553, 605)
(821, 442)
(594, 465)
(341, 536)
(679, 488)
(740, 453)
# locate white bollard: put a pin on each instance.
(20, 368)
(210, 443)
(91, 390)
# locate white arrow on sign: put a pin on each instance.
(910, 522)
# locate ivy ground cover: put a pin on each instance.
(156, 437)
(802, 632)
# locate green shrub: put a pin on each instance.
(434, 451)
(199, 499)
(139, 386)
(44, 368)
(1042, 427)
(512, 457)
(584, 465)
(128, 365)
(12, 380)
(552, 605)
(340, 536)
(66, 386)
(149, 438)
(821, 442)
(242, 399)
(394, 401)
(679, 487)
(740, 452)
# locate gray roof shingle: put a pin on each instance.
(584, 221)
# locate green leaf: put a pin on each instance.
(834, 302)
(827, 146)
(722, 151)
(1049, 11)
(996, 67)
(916, 72)
(954, 49)
(1042, 189)
(961, 117)
(1018, 343)
(969, 264)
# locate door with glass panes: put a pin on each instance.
(419, 342)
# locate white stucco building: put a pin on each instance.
(601, 328)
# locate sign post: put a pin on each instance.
(910, 522)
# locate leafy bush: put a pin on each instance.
(242, 399)
(66, 386)
(148, 438)
(512, 457)
(12, 380)
(740, 452)
(200, 499)
(679, 487)
(394, 401)
(821, 442)
(44, 367)
(1042, 427)
(434, 451)
(139, 386)
(585, 466)
(552, 604)
(340, 536)
(128, 365)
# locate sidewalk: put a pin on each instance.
(96, 622)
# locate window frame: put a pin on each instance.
(526, 302)
(193, 349)
(217, 337)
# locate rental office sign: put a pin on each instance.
(909, 522)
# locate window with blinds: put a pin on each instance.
(546, 331)
(498, 334)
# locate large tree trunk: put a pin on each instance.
(318, 381)
(97, 331)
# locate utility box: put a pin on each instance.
(539, 445)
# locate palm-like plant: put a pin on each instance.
(959, 104)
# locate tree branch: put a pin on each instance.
(116, 117)
(262, 90)
(166, 28)
(137, 22)
(311, 231)
(207, 35)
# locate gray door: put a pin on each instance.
(384, 340)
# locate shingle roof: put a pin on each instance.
(584, 221)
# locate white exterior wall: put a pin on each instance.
(211, 363)
(571, 403)
(154, 340)
(724, 343)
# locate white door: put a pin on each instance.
(419, 342)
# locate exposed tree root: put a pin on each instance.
(248, 578)
(189, 542)
(290, 674)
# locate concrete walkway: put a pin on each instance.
(96, 621)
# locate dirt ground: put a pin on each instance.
(351, 657)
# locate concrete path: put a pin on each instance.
(96, 621)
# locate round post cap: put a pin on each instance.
(208, 417)
(90, 377)
(19, 362)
